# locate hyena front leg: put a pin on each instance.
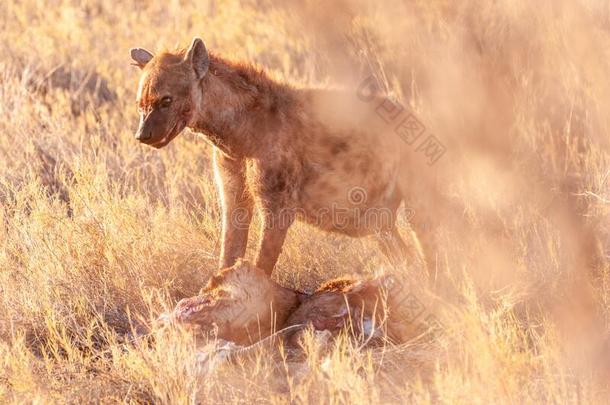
(273, 233)
(237, 207)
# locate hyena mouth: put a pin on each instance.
(174, 132)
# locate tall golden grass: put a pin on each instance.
(99, 234)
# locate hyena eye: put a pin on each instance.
(165, 101)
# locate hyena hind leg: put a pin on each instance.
(401, 254)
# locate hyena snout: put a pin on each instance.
(145, 130)
(143, 135)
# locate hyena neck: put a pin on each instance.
(241, 108)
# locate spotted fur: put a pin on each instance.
(290, 154)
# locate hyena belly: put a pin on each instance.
(349, 187)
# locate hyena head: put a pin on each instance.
(168, 92)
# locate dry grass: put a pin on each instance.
(99, 234)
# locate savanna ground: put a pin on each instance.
(100, 234)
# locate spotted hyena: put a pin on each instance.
(320, 156)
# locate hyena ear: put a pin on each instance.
(198, 57)
(140, 56)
